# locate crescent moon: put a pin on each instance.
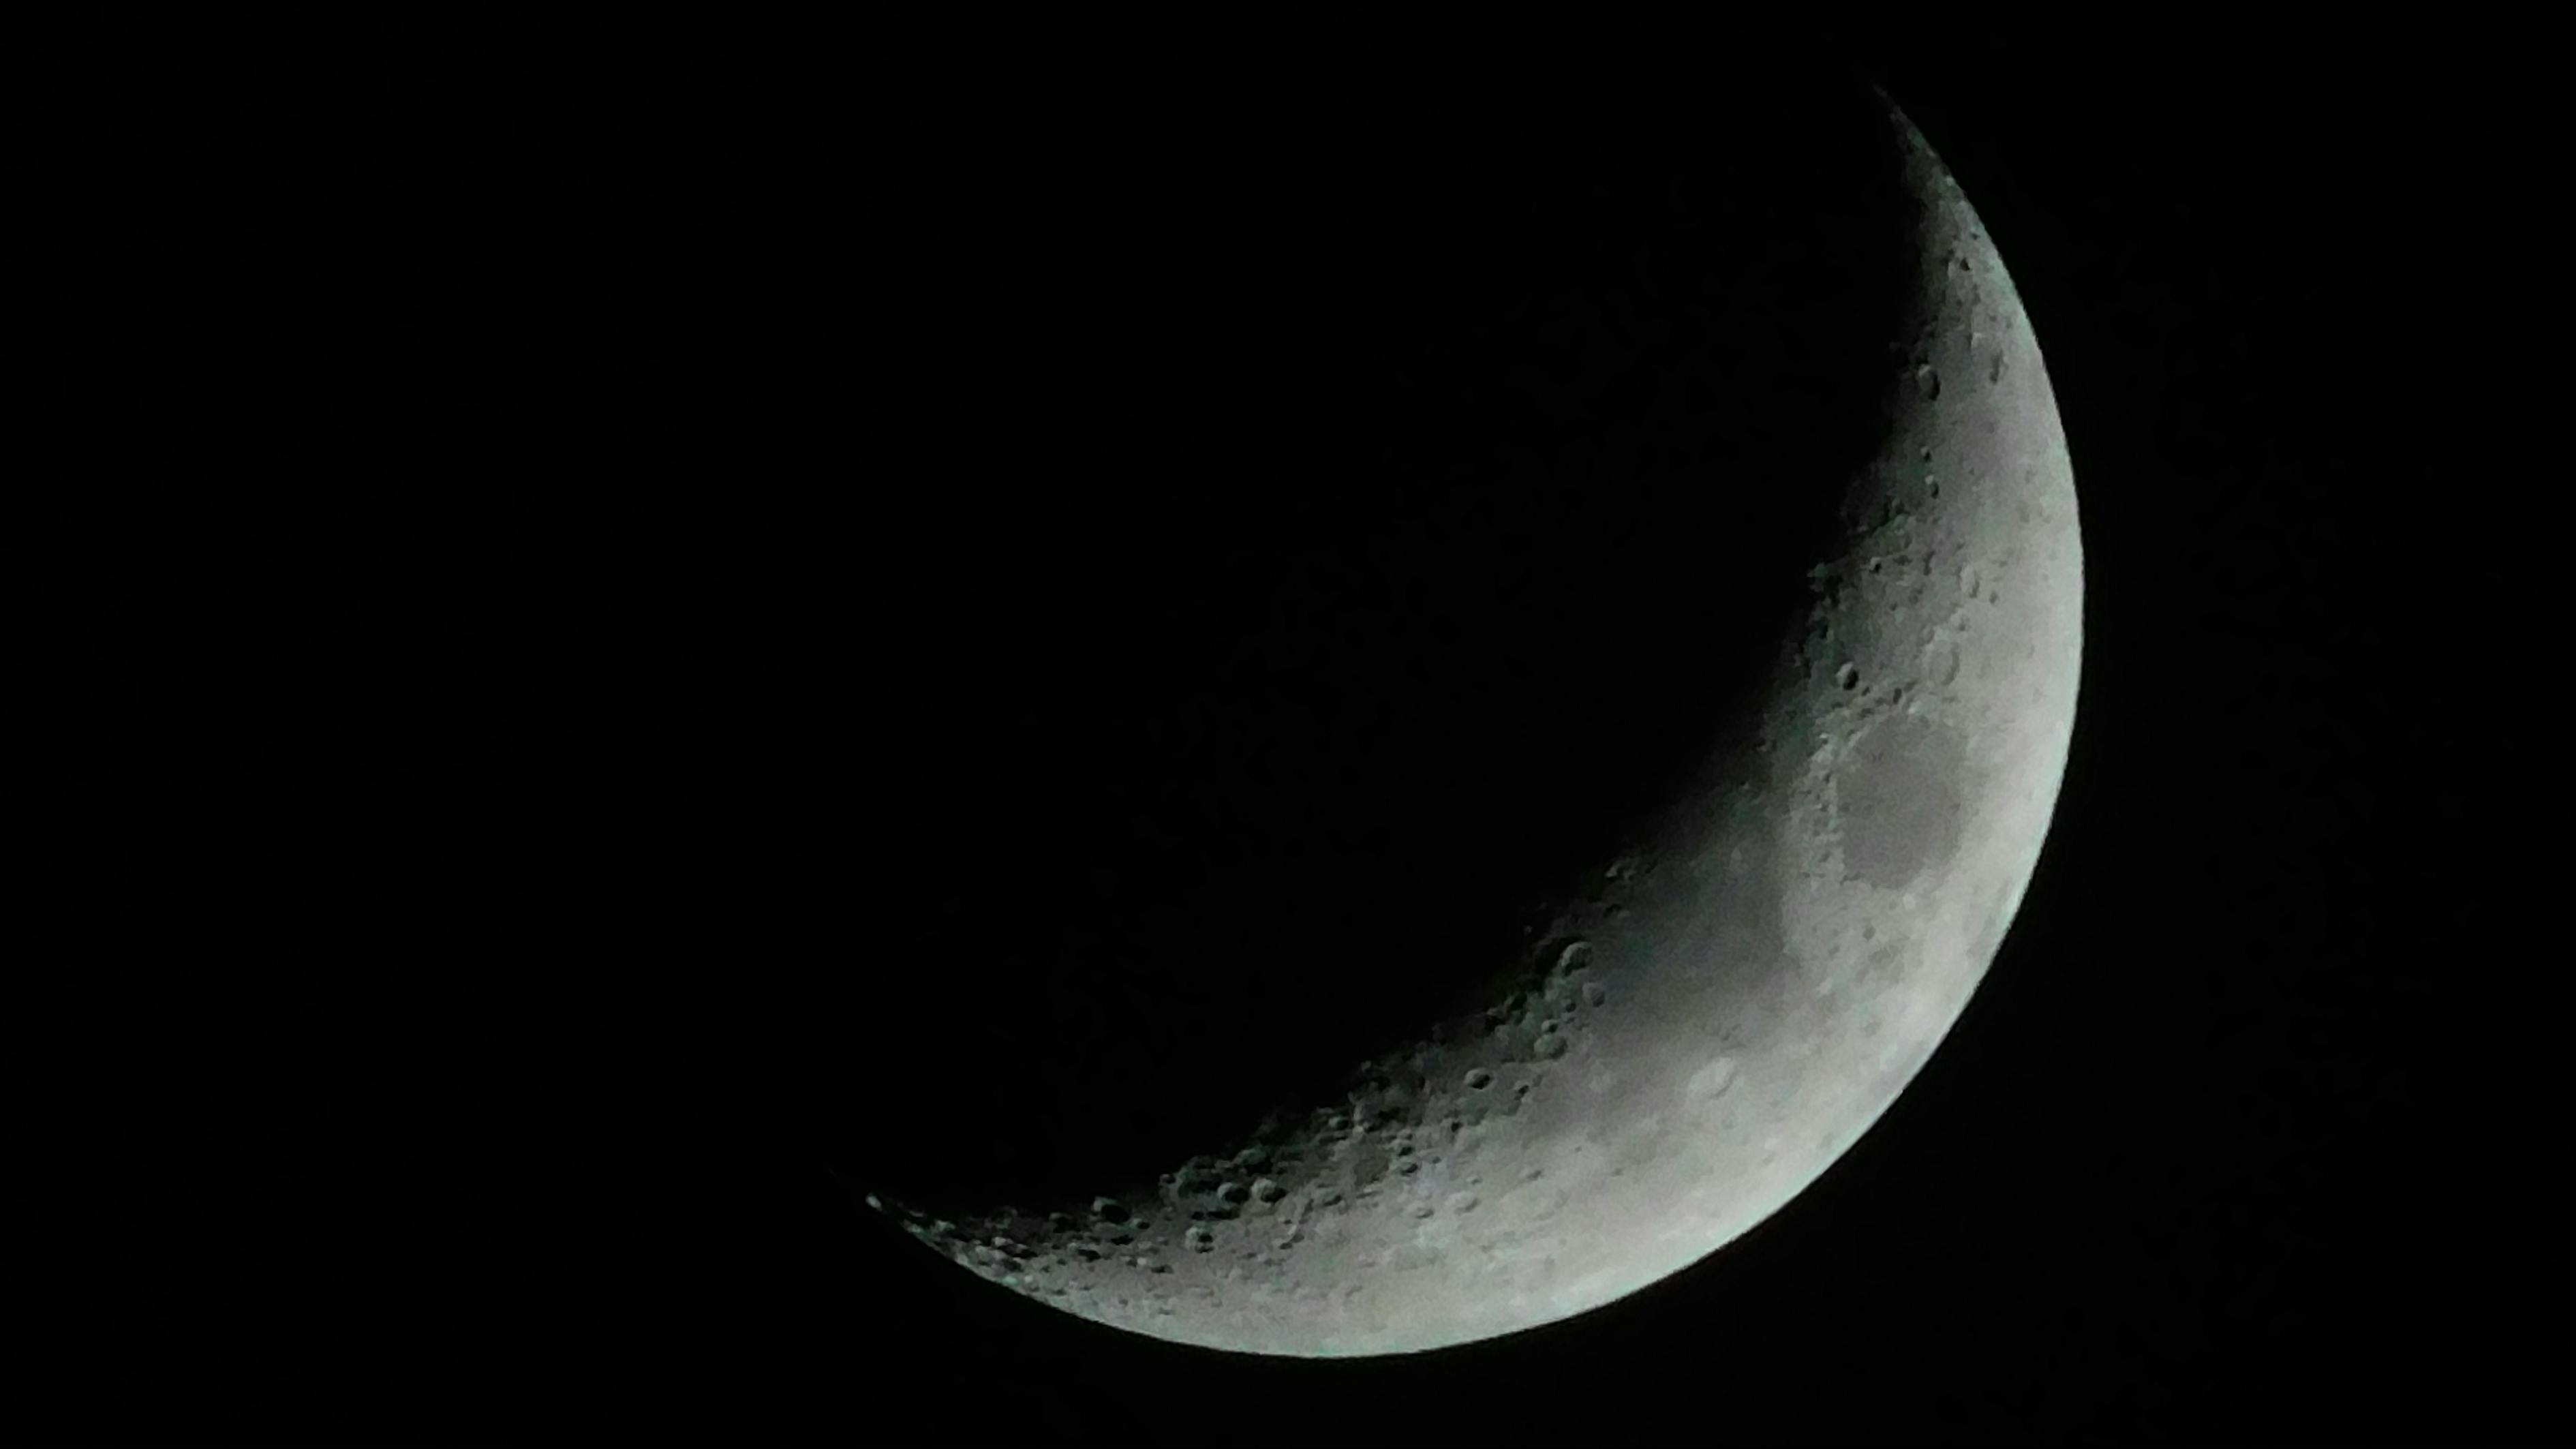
(1680, 1054)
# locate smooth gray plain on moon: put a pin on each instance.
(1694, 1046)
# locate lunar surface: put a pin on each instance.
(1734, 994)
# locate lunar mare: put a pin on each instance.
(1737, 1001)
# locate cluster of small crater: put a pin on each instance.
(1401, 1116)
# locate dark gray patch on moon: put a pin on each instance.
(1367, 1163)
(1901, 802)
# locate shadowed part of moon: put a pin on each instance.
(1350, 547)
(1901, 798)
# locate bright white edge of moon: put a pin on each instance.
(1705, 1034)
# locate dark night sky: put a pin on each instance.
(470, 608)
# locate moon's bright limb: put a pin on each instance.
(1696, 1044)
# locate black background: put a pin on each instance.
(469, 608)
